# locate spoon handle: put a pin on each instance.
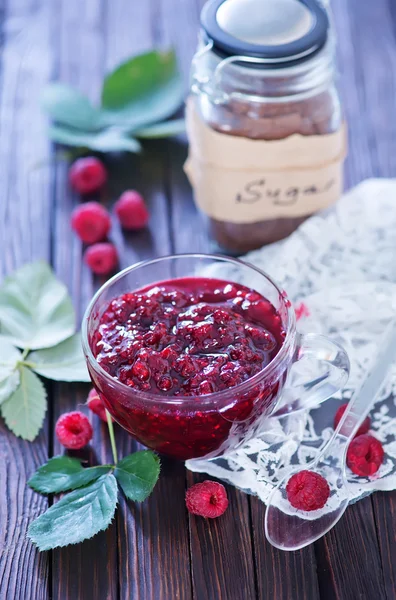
(364, 396)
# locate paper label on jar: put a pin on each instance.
(241, 180)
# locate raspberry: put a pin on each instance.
(87, 175)
(131, 210)
(73, 430)
(307, 490)
(364, 427)
(207, 499)
(102, 259)
(91, 222)
(365, 455)
(95, 403)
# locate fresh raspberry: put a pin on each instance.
(131, 210)
(365, 455)
(73, 430)
(91, 221)
(87, 175)
(102, 259)
(95, 403)
(207, 499)
(307, 490)
(364, 427)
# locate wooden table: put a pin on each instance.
(156, 551)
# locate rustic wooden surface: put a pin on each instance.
(156, 551)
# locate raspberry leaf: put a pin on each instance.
(78, 516)
(109, 140)
(66, 105)
(9, 357)
(63, 473)
(9, 385)
(143, 90)
(64, 362)
(137, 474)
(35, 309)
(9, 374)
(25, 409)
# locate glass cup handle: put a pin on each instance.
(328, 366)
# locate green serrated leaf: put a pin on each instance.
(9, 385)
(9, 374)
(35, 308)
(137, 474)
(9, 357)
(162, 130)
(68, 106)
(142, 90)
(77, 516)
(109, 140)
(24, 411)
(64, 362)
(63, 473)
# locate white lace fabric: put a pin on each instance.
(342, 266)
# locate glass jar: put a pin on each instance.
(264, 121)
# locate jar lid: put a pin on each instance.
(280, 33)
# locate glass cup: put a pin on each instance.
(307, 370)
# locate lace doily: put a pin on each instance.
(339, 269)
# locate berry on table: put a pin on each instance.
(73, 430)
(102, 259)
(131, 210)
(87, 175)
(95, 403)
(207, 499)
(365, 455)
(91, 221)
(307, 490)
(364, 427)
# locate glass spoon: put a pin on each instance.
(289, 528)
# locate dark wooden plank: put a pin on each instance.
(25, 213)
(153, 537)
(348, 558)
(282, 575)
(367, 61)
(384, 505)
(88, 570)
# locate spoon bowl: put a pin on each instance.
(289, 528)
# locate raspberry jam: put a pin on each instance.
(179, 342)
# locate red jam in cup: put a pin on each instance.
(175, 345)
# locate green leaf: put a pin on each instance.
(162, 130)
(9, 373)
(68, 106)
(9, 385)
(35, 309)
(24, 411)
(137, 474)
(64, 362)
(142, 90)
(63, 473)
(77, 516)
(109, 140)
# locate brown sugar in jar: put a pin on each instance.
(264, 121)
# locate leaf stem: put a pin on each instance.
(112, 438)
(24, 354)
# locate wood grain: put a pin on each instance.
(79, 30)
(24, 203)
(153, 549)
